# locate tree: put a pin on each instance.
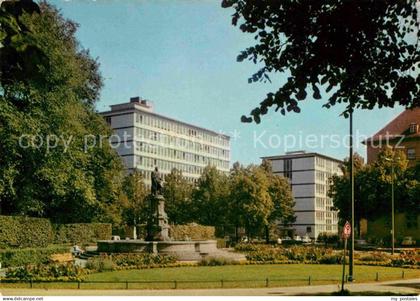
(251, 201)
(209, 198)
(135, 210)
(363, 53)
(48, 87)
(178, 192)
(282, 197)
(373, 193)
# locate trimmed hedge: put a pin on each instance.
(21, 231)
(192, 231)
(82, 233)
(33, 256)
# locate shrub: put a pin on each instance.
(215, 261)
(375, 257)
(331, 259)
(68, 271)
(328, 238)
(82, 233)
(22, 232)
(192, 231)
(101, 264)
(21, 257)
(128, 260)
(408, 258)
(248, 247)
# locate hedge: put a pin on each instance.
(23, 232)
(82, 233)
(192, 231)
(21, 257)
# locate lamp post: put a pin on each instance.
(392, 204)
(351, 255)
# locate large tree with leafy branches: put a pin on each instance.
(362, 53)
(48, 87)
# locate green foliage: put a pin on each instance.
(61, 272)
(20, 231)
(178, 197)
(48, 91)
(328, 238)
(215, 261)
(360, 53)
(128, 261)
(373, 187)
(210, 198)
(33, 256)
(192, 231)
(135, 199)
(82, 233)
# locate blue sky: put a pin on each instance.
(182, 56)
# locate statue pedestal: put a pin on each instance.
(158, 226)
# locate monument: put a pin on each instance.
(158, 240)
(157, 225)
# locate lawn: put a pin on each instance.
(233, 276)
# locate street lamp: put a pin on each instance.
(392, 203)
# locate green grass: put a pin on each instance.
(233, 276)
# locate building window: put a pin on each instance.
(411, 154)
(287, 167)
(108, 120)
(414, 128)
(308, 229)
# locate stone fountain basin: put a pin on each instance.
(183, 250)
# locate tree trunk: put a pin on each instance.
(267, 234)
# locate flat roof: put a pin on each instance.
(134, 109)
(296, 155)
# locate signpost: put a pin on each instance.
(345, 235)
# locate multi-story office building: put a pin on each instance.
(309, 175)
(146, 140)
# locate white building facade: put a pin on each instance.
(146, 140)
(309, 175)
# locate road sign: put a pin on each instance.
(346, 230)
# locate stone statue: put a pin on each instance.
(156, 182)
(157, 226)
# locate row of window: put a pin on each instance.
(330, 166)
(326, 228)
(172, 126)
(164, 165)
(179, 155)
(173, 141)
(147, 175)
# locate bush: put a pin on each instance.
(408, 258)
(215, 261)
(47, 272)
(21, 257)
(375, 257)
(328, 238)
(22, 232)
(331, 259)
(100, 264)
(192, 231)
(82, 233)
(128, 260)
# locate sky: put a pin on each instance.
(181, 55)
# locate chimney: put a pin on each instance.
(135, 99)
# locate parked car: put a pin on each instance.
(306, 239)
(362, 244)
(408, 241)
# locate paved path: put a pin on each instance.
(411, 286)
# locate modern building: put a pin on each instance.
(145, 140)
(309, 175)
(401, 133)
